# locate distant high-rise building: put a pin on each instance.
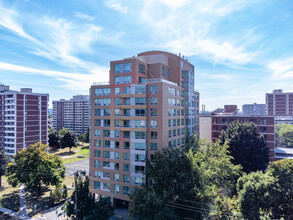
(149, 104)
(279, 103)
(23, 119)
(73, 114)
(254, 109)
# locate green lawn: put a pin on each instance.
(9, 196)
(84, 151)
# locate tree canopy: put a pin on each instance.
(284, 135)
(69, 139)
(246, 146)
(54, 139)
(3, 164)
(33, 167)
(84, 137)
(88, 207)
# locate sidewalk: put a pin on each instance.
(14, 214)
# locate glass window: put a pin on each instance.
(97, 163)
(117, 68)
(139, 157)
(97, 133)
(126, 156)
(116, 101)
(117, 80)
(116, 123)
(107, 122)
(139, 135)
(154, 146)
(154, 89)
(116, 188)
(98, 102)
(140, 146)
(106, 133)
(116, 134)
(140, 112)
(97, 143)
(140, 101)
(141, 79)
(170, 133)
(125, 178)
(127, 79)
(106, 112)
(97, 112)
(106, 154)
(98, 92)
(139, 180)
(140, 123)
(178, 131)
(97, 184)
(154, 100)
(154, 112)
(126, 90)
(117, 143)
(126, 167)
(126, 101)
(116, 155)
(153, 124)
(127, 67)
(106, 143)
(126, 112)
(154, 135)
(106, 186)
(107, 91)
(163, 71)
(126, 134)
(116, 111)
(106, 175)
(97, 153)
(169, 123)
(97, 122)
(140, 90)
(168, 73)
(141, 68)
(116, 166)
(116, 177)
(126, 190)
(125, 145)
(106, 164)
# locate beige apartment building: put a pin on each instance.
(149, 104)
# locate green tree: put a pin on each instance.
(87, 205)
(63, 131)
(54, 139)
(191, 142)
(284, 135)
(69, 140)
(3, 165)
(282, 194)
(84, 137)
(255, 194)
(246, 146)
(33, 167)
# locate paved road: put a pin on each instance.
(71, 168)
(120, 214)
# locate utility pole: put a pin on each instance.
(75, 204)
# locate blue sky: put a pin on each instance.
(240, 49)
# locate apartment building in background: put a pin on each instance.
(149, 104)
(254, 109)
(73, 114)
(23, 119)
(218, 123)
(279, 103)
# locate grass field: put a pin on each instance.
(9, 196)
(69, 157)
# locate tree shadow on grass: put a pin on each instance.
(66, 153)
(11, 201)
(85, 147)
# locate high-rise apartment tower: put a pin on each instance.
(149, 104)
(279, 103)
(73, 114)
(23, 119)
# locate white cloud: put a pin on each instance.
(189, 29)
(282, 68)
(73, 81)
(116, 5)
(84, 16)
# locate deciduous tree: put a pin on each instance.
(3, 165)
(54, 139)
(69, 140)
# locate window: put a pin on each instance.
(116, 166)
(141, 79)
(126, 134)
(117, 91)
(154, 135)
(126, 167)
(97, 112)
(170, 133)
(116, 112)
(126, 90)
(125, 156)
(97, 133)
(97, 163)
(154, 112)
(98, 92)
(139, 157)
(97, 184)
(154, 146)
(125, 178)
(154, 89)
(178, 141)
(106, 143)
(169, 122)
(116, 177)
(122, 79)
(97, 153)
(139, 135)
(98, 174)
(163, 71)
(117, 68)
(117, 80)
(116, 134)
(126, 123)
(153, 124)
(140, 90)
(106, 133)
(174, 133)
(168, 73)
(127, 79)
(97, 122)
(107, 123)
(178, 122)
(106, 186)
(116, 123)
(140, 101)
(106, 112)
(106, 102)
(154, 100)
(106, 154)
(106, 175)
(116, 101)
(126, 112)
(106, 164)
(125, 145)
(140, 123)
(141, 68)
(117, 143)
(125, 190)
(139, 180)
(107, 91)
(116, 188)
(126, 101)
(174, 122)
(140, 146)
(122, 68)
(174, 143)
(178, 131)
(140, 112)
(139, 169)
(97, 143)
(116, 155)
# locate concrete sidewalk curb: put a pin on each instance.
(14, 214)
